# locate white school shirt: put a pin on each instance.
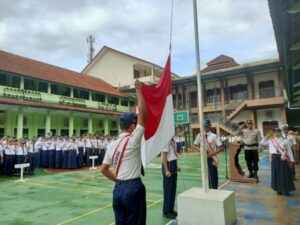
(45, 145)
(212, 140)
(284, 144)
(80, 143)
(29, 146)
(10, 150)
(88, 143)
(290, 138)
(58, 145)
(65, 145)
(170, 149)
(131, 163)
(20, 150)
(51, 145)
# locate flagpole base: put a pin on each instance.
(216, 207)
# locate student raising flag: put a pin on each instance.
(159, 127)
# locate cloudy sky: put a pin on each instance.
(55, 31)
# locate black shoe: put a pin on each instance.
(251, 175)
(286, 194)
(279, 192)
(174, 213)
(170, 216)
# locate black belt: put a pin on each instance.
(252, 145)
(138, 179)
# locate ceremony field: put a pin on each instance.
(85, 197)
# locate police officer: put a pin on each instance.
(251, 139)
(129, 194)
(213, 146)
(169, 171)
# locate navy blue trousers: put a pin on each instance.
(58, 159)
(80, 157)
(9, 162)
(32, 162)
(88, 153)
(51, 162)
(129, 202)
(170, 186)
(212, 174)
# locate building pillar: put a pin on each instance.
(250, 87)
(90, 125)
(71, 125)
(49, 88)
(222, 97)
(48, 123)
(177, 98)
(20, 124)
(21, 82)
(90, 95)
(283, 115)
(72, 92)
(106, 99)
(226, 92)
(9, 123)
(36, 119)
(106, 126)
(184, 97)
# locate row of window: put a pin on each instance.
(57, 89)
(237, 92)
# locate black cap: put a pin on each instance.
(207, 123)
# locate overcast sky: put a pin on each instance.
(55, 31)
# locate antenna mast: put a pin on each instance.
(90, 40)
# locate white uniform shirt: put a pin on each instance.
(45, 145)
(212, 139)
(131, 162)
(290, 138)
(10, 149)
(58, 145)
(170, 149)
(29, 146)
(20, 150)
(283, 143)
(88, 143)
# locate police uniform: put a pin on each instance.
(251, 140)
(129, 194)
(170, 183)
(212, 142)
(281, 175)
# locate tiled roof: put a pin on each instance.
(220, 62)
(43, 71)
(12, 101)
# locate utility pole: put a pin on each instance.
(90, 40)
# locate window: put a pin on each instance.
(113, 100)
(3, 78)
(124, 102)
(85, 123)
(136, 74)
(193, 99)
(43, 87)
(98, 97)
(29, 84)
(100, 123)
(81, 94)
(66, 122)
(60, 90)
(16, 81)
(113, 124)
(132, 103)
(213, 95)
(238, 92)
(266, 89)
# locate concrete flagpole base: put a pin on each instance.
(216, 207)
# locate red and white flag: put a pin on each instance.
(159, 127)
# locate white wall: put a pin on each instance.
(261, 116)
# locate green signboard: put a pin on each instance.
(181, 117)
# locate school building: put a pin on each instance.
(37, 98)
(233, 93)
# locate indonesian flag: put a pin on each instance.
(159, 127)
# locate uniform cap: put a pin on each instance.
(207, 123)
(284, 126)
(128, 118)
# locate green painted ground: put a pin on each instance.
(85, 197)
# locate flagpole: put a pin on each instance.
(203, 152)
